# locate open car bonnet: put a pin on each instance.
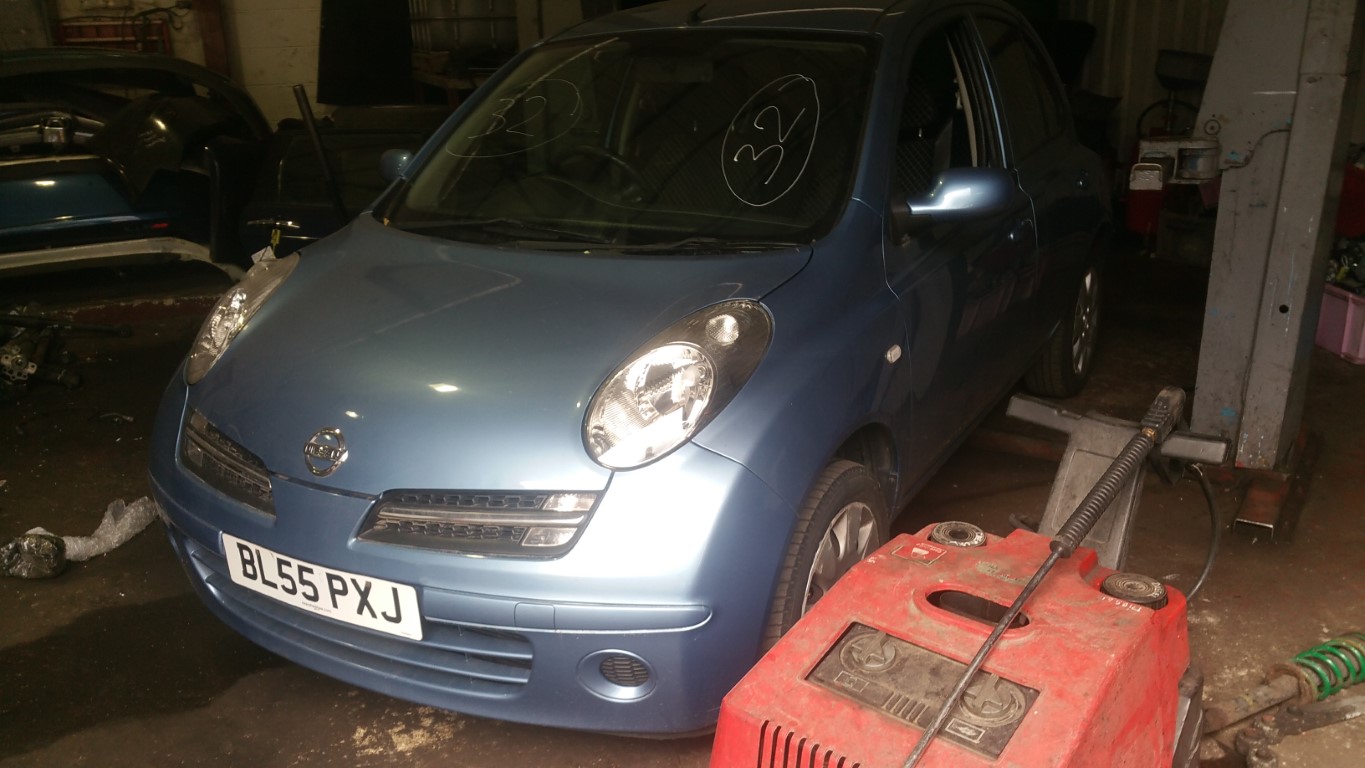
(139, 111)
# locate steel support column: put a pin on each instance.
(1279, 99)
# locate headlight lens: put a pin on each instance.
(675, 384)
(230, 315)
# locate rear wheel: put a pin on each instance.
(1065, 363)
(843, 520)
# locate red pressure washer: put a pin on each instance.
(1084, 666)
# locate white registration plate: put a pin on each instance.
(365, 601)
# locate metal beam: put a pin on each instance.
(1281, 121)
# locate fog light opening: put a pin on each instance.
(617, 675)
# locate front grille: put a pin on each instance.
(225, 465)
(540, 524)
(780, 747)
(625, 671)
(457, 657)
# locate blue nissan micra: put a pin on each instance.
(641, 352)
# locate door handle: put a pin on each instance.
(1083, 180)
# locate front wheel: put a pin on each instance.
(843, 520)
(1065, 363)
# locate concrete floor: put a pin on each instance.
(116, 663)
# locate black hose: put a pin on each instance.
(1215, 529)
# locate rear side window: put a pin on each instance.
(1032, 107)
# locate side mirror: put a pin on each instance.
(392, 163)
(958, 194)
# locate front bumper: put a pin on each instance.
(179, 248)
(641, 628)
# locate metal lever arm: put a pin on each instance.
(1161, 418)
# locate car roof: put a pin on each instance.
(845, 16)
(856, 16)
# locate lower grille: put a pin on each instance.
(454, 657)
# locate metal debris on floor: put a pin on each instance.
(40, 554)
(33, 556)
(1307, 691)
(31, 350)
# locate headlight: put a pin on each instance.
(230, 315)
(675, 384)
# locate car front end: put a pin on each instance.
(640, 627)
(458, 452)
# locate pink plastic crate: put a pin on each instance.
(1341, 324)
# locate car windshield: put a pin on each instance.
(679, 140)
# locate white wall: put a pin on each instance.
(186, 42)
(273, 45)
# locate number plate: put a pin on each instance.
(361, 600)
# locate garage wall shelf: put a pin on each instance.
(132, 34)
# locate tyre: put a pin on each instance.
(843, 520)
(1064, 364)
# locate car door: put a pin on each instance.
(956, 280)
(1052, 169)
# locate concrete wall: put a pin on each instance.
(186, 40)
(1128, 35)
(539, 19)
(273, 45)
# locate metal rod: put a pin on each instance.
(1277, 690)
(980, 659)
(1160, 419)
(311, 126)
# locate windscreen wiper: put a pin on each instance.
(515, 229)
(707, 243)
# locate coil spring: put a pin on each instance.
(1334, 665)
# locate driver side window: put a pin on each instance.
(936, 129)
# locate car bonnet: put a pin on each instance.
(448, 365)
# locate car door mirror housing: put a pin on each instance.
(958, 194)
(393, 162)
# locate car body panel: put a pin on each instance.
(637, 583)
(417, 292)
(129, 142)
(454, 363)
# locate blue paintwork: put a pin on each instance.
(679, 562)
(70, 201)
(142, 173)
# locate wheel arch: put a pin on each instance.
(873, 446)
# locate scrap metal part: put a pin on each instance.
(1255, 741)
